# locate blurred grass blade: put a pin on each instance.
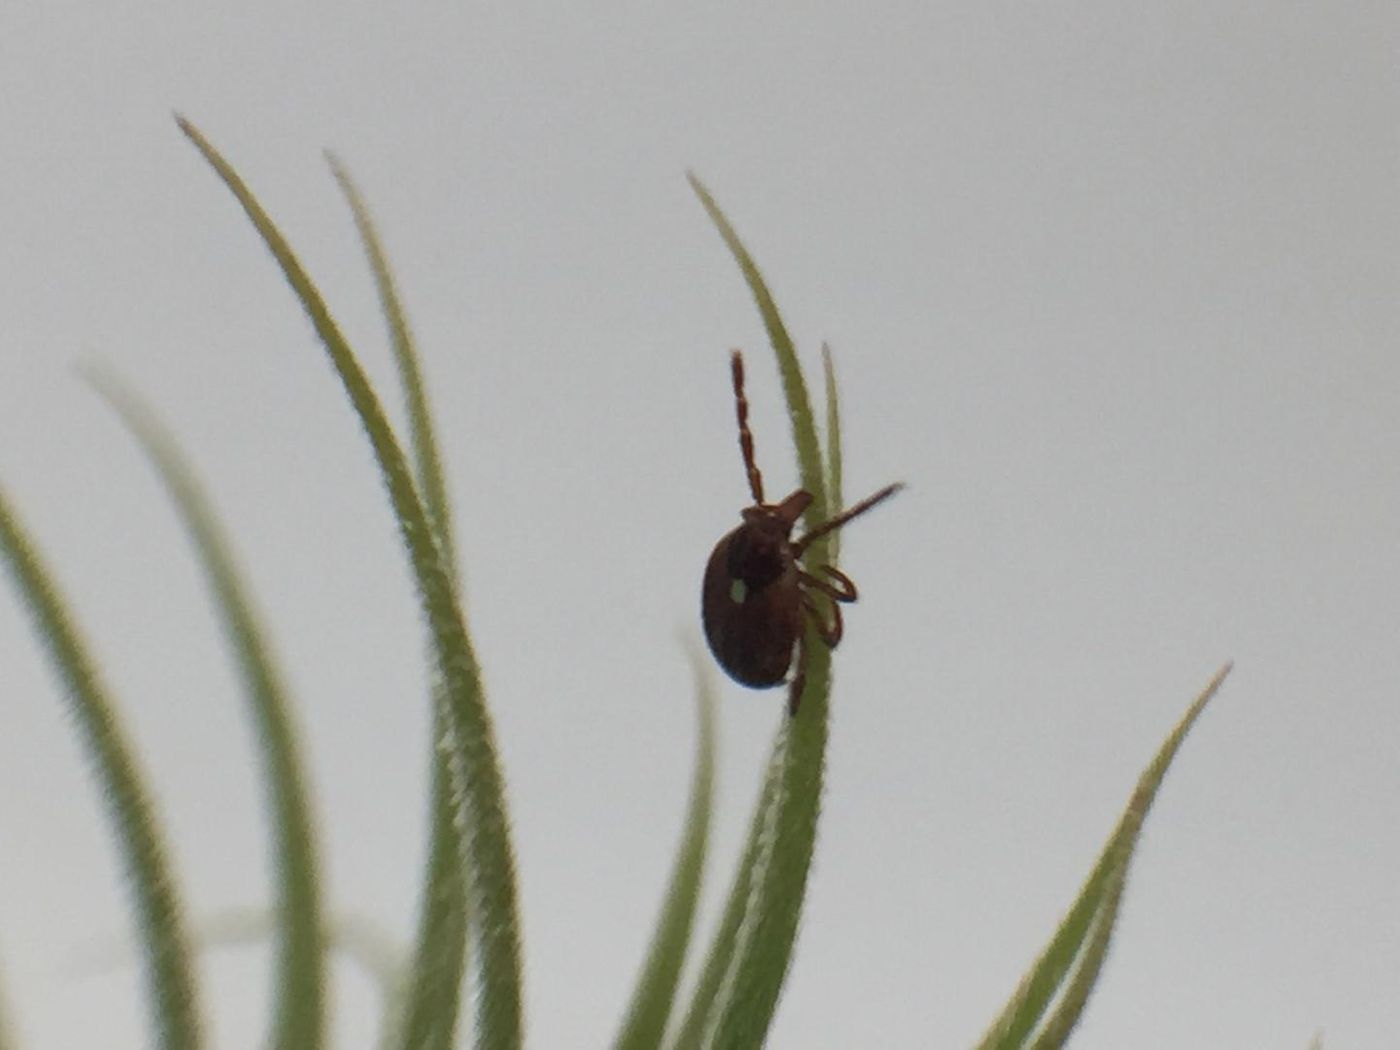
(655, 993)
(298, 979)
(476, 772)
(780, 849)
(1081, 942)
(435, 988)
(357, 939)
(8, 1041)
(833, 449)
(160, 914)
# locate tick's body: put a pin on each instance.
(756, 593)
(751, 609)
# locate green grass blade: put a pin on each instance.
(1055, 1031)
(1096, 906)
(431, 1009)
(431, 1003)
(650, 1009)
(476, 769)
(299, 974)
(804, 430)
(427, 461)
(833, 448)
(749, 996)
(159, 912)
(721, 960)
(772, 906)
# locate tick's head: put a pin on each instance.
(760, 550)
(778, 518)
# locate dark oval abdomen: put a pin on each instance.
(751, 631)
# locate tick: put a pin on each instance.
(757, 592)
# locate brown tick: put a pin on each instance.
(756, 591)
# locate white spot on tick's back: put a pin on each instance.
(738, 591)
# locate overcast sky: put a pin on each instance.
(1114, 290)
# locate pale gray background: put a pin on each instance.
(1114, 291)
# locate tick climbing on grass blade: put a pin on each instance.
(757, 592)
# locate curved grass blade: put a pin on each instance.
(1055, 1032)
(427, 461)
(379, 957)
(7, 1031)
(476, 774)
(435, 988)
(780, 848)
(1090, 920)
(749, 996)
(130, 808)
(655, 993)
(722, 957)
(804, 430)
(833, 448)
(719, 961)
(359, 940)
(299, 975)
(427, 1014)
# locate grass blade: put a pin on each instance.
(749, 996)
(781, 847)
(299, 975)
(430, 1010)
(353, 937)
(427, 462)
(833, 447)
(7, 1031)
(476, 772)
(721, 961)
(804, 430)
(650, 1009)
(1090, 921)
(1055, 1031)
(428, 1013)
(162, 928)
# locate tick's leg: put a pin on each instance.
(828, 630)
(841, 588)
(741, 409)
(845, 516)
